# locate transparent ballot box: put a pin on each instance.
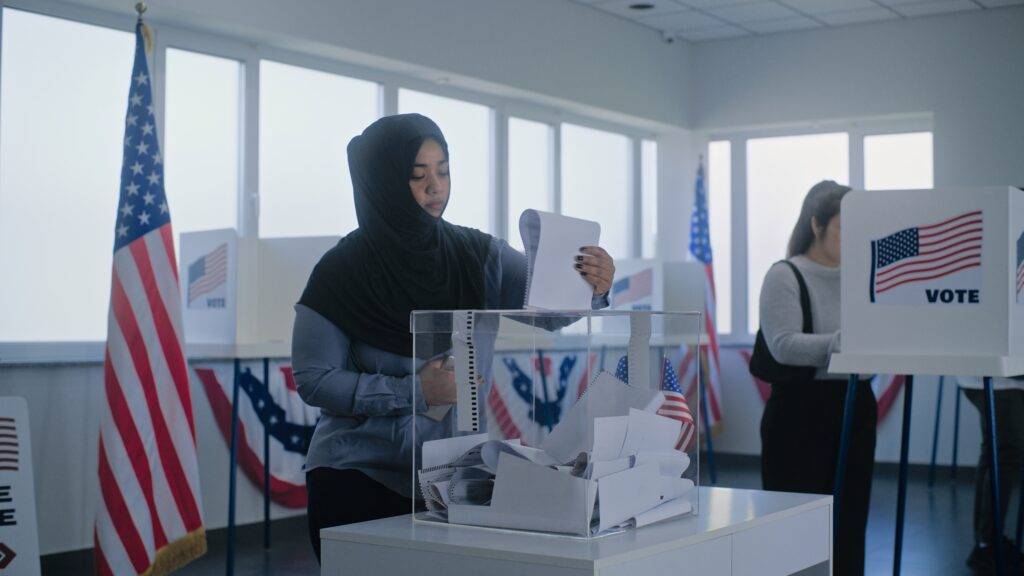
(581, 423)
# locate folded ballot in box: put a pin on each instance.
(560, 425)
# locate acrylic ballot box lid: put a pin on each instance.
(566, 422)
(932, 282)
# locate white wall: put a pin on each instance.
(966, 69)
(557, 51)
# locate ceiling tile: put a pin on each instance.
(711, 3)
(940, 7)
(781, 25)
(998, 3)
(857, 16)
(753, 11)
(715, 33)
(622, 8)
(687, 20)
(815, 7)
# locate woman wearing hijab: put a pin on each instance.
(800, 427)
(351, 346)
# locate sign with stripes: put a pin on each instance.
(1019, 275)
(935, 263)
(149, 515)
(19, 536)
(208, 279)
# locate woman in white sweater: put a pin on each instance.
(801, 425)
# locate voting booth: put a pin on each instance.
(566, 422)
(932, 282)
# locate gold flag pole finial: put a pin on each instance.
(141, 7)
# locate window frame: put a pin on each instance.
(856, 130)
(250, 51)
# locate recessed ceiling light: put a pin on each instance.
(640, 6)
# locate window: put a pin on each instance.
(63, 98)
(467, 127)
(719, 185)
(201, 141)
(898, 161)
(307, 118)
(596, 183)
(648, 199)
(530, 172)
(780, 171)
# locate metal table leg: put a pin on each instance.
(844, 448)
(993, 442)
(901, 497)
(230, 568)
(935, 432)
(266, 462)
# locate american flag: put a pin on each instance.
(207, 273)
(926, 253)
(700, 250)
(149, 519)
(674, 407)
(633, 288)
(1020, 265)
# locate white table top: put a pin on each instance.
(722, 511)
(935, 364)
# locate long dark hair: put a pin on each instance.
(822, 204)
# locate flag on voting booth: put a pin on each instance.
(278, 407)
(700, 250)
(149, 515)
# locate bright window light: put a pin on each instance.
(530, 172)
(719, 185)
(596, 183)
(898, 161)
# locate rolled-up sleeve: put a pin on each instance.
(320, 362)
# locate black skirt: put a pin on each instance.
(800, 432)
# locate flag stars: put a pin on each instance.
(141, 78)
(163, 207)
(127, 209)
(148, 198)
(122, 231)
(132, 189)
(142, 148)
(137, 100)
(147, 129)
(136, 168)
(149, 108)
(144, 218)
(153, 178)
(133, 120)
(158, 158)
(127, 141)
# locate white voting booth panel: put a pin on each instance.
(930, 282)
(239, 293)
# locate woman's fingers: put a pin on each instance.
(597, 267)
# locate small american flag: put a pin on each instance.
(674, 407)
(1020, 265)
(207, 273)
(926, 253)
(633, 288)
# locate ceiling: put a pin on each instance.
(700, 20)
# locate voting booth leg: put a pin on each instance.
(844, 447)
(935, 432)
(901, 495)
(707, 436)
(230, 568)
(956, 433)
(1020, 529)
(993, 467)
(266, 462)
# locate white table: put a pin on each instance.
(738, 532)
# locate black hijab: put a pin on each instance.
(400, 258)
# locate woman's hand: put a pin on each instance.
(597, 268)
(438, 384)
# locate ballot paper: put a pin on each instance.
(446, 450)
(647, 431)
(605, 396)
(623, 495)
(552, 242)
(669, 509)
(672, 463)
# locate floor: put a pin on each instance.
(937, 538)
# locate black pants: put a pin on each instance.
(1010, 437)
(339, 497)
(800, 433)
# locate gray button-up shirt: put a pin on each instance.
(365, 394)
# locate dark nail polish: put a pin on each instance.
(578, 266)
(579, 258)
(583, 273)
